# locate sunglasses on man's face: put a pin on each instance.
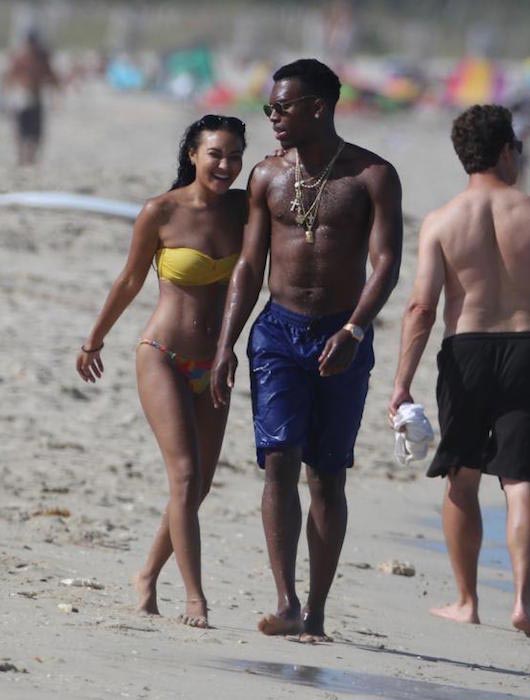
(518, 145)
(281, 107)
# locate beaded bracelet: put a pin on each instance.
(93, 349)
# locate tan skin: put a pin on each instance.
(209, 217)
(359, 218)
(477, 249)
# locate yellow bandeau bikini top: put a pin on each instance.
(187, 266)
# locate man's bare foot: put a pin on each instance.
(458, 613)
(521, 621)
(278, 624)
(306, 638)
(312, 629)
(145, 586)
(196, 614)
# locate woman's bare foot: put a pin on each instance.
(196, 614)
(282, 622)
(145, 586)
(468, 612)
(521, 620)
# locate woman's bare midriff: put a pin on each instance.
(187, 319)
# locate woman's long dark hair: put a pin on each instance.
(191, 139)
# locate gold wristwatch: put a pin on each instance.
(356, 331)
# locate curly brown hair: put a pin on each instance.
(479, 134)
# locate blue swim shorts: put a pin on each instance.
(292, 405)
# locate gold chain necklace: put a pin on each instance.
(306, 217)
(312, 183)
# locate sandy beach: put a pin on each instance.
(83, 485)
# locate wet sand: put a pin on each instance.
(83, 487)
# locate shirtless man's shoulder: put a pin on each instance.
(377, 174)
(514, 201)
(353, 161)
(274, 165)
(437, 218)
(359, 157)
(453, 214)
(271, 171)
(457, 211)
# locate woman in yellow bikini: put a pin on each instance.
(194, 234)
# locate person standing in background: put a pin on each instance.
(28, 72)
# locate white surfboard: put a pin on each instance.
(67, 200)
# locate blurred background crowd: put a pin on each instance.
(390, 54)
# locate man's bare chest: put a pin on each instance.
(341, 202)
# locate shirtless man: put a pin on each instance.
(28, 72)
(477, 249)
(310, 350)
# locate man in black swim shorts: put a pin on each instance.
(477, 249)
(319, 210)
(29, 70)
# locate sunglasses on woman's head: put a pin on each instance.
(214, 121)
(281, 107)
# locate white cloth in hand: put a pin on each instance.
(413, 433)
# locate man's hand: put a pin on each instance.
(400, 395)
(222, 376)
(338, 353)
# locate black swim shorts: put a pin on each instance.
(483, 394)
(29, 122)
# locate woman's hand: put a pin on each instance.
(89, 364)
